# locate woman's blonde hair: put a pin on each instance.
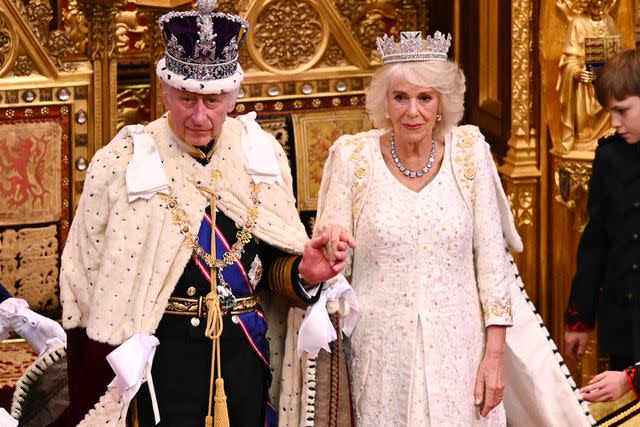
(445, 77)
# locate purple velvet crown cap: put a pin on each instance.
(201, 45)
(185, 29)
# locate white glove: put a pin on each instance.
(39, 331)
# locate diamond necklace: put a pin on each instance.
(413, 174)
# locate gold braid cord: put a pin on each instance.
(243, 236)
(213, 331)
(214, 327)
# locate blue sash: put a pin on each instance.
(253, 323)
(234, 274)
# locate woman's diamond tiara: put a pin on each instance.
(413, 47)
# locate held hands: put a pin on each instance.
(575, 343)
(606, 386)
(325, 254)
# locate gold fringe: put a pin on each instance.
(221, 413)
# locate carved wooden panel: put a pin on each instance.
(35, 191)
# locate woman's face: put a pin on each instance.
(412, 111)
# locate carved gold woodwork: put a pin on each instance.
(133, 105)
(370, 19)
(288, 36)
(130, 32)
(76, 25)
(38, 14)
(520, 172)
(523, 196)
(23, 39)
(582, 119)
(571, 187)
(322, 43)
(102, 51)
(40, 78)
(522, 156)
(101, 18)
(29, 265)
(8, 44)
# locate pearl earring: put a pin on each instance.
(438, 117)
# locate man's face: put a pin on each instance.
(625, 117)
(197, 119)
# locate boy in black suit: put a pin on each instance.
(607, 280)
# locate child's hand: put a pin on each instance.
(606, 386)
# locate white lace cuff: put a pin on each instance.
(317, 331)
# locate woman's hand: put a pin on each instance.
(335, 234)
(490, 378)
(325, 254)
(606, 386)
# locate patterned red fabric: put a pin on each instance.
(575, 323)
(633, 375)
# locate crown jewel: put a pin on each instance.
(412, 47)
(202, 44)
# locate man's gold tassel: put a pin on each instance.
(214, 330)
(220, 411)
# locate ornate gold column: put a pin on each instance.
(520, 172)
(101, 16)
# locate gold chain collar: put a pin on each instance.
(243, 236)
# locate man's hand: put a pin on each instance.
(575, 344)
(325, 255)
(606, 386)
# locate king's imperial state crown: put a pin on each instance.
(412, 47)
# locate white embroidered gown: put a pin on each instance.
(417, 347)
